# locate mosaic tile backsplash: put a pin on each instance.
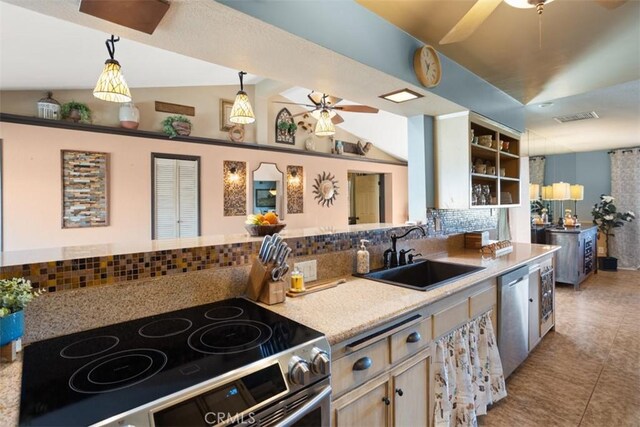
(58, 276)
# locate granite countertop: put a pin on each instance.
(360, 304)
(340, 313)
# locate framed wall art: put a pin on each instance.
(85, 191)
(225, 113)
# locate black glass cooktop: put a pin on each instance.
(90, 376)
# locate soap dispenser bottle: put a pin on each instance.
(363, 258)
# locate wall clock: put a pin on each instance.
(426, 65)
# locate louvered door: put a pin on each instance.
(176, 198)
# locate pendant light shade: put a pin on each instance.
(547, 192)
(325, 126)
(111, 85)
(241, 112)
(577, 192)
(561, 191)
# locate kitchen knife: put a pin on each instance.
(281, 260)
(280, 252)
(269, 255)
(264, 247)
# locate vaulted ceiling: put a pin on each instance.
(588, 59)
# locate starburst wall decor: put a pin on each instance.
(325, 189)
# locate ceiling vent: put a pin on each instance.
(576, 117)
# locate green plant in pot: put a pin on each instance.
(76, 112)
(292, 128)
(176, 125)
(606, 217)
(15, 294)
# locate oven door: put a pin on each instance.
(310, 407)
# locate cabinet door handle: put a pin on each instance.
(530, 299)
(386, 401)
(414, 337)
(362, 364)
(400, 392)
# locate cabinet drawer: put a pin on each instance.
(482, 301)
(410, 340)
(360, 366)
(450, 317)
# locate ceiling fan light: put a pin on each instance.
(111, 85)
(526, 4)
(325, 126)
(241, 112)
(316, 114)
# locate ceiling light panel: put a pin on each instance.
(401, 95)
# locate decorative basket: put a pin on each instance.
(264, 230)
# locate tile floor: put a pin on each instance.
(587, 371)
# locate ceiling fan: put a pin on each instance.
(481, 10)
(322, 101)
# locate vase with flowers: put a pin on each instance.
(606, 217)
(15, 294)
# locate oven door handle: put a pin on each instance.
(306, 408)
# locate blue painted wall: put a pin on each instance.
(352, 30)
(591, 169)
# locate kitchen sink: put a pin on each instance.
(422, 275)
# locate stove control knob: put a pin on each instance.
(320, 363)
(299, 372)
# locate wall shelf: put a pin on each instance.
(60, 124)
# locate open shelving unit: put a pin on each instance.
(504, 188)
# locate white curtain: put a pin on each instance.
(536, 170)
(625, 188)
(468, 374)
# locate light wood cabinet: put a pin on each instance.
(411, 403)
(364, 407)
(455, 155)
(399, 398)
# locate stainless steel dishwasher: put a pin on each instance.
(513, 322)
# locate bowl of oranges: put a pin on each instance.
(263, 225)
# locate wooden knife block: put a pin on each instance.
(258, 278)
(261, 288)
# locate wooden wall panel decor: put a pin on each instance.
(85, 192)
(235, 188)
(167, 107)
(295, 190)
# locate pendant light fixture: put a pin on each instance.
(325, 126)
(241, 112)
(111, 84)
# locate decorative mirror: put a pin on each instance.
(325, 189)
(268, 189)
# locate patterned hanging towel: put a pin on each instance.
(468, 374)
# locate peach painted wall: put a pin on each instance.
(32, 187)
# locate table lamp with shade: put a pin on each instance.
(577, 193)
(561, 192)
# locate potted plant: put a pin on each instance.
(607, 217)
(176, 125)
(76, 112)
(15, 294)
(292, 128)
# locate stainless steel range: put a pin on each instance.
(231, 363)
